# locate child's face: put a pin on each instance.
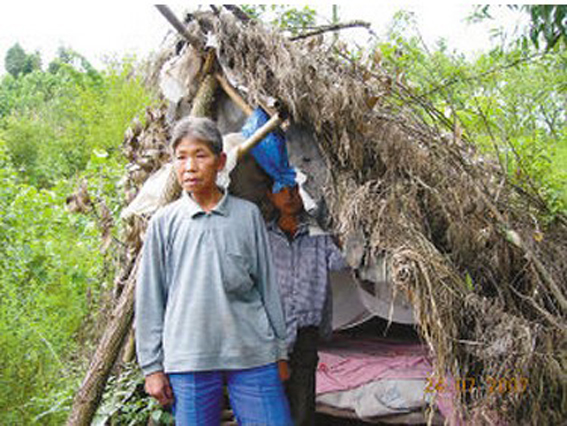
(287, 201)
(197, 166)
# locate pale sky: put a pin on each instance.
(100, 29)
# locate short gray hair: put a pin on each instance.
(200, 128)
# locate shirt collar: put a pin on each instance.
(195, 209)
(307, 226)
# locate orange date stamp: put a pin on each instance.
(486, 384)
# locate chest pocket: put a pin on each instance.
(237, 278)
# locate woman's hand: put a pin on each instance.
(283, 368)
(157, 385)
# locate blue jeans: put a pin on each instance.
(256, 395)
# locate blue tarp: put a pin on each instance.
(271, 152)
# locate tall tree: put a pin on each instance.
(18, 62)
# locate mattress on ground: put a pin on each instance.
(375, 377)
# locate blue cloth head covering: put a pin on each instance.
(271, 152)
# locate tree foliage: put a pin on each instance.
(287, 18)
(52, 121)
(57, 128)
(17, 62)
(509, 101)
(547, 24)
(48, 267)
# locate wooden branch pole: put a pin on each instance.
(233, 94)
(332, 27)
(90, 393)
(177, 24)
(203, 100)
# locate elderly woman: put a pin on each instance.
(208, 311)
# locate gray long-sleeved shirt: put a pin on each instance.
(206, 297)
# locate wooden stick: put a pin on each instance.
(172, 19)
(238, 12)
(333, 27)
(239, 100)
(203, 101)
(233, 94)
(209, 62)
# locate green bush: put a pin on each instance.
(48, 269)
(56, 130)
(53, 122)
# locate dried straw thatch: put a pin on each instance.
(486, 279)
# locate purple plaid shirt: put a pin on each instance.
(302, 267)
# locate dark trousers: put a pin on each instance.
(300, 388)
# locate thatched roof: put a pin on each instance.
(486, 278)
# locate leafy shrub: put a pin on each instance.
(56, 130)
(48, 285)
(52, 122)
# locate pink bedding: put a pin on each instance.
(347, 363)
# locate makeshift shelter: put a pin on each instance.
(435, 234)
